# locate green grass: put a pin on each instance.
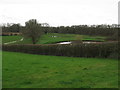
(6, 39)
(48, 39)
(39, 71)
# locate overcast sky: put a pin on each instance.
(60, 12)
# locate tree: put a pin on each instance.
(14, 28)
(45, 27)
(32, 30)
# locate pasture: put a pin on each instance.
(22, 70)
(53, 38)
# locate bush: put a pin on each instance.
(104, 50)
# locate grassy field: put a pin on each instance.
(52, 38)
(39, 71)
(6, 39)
(47, 39)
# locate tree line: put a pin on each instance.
(84, 30)
(102, 30)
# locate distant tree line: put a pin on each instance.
(11, 28)
(84, 30)
(102, 30)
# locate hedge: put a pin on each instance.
(104, 50)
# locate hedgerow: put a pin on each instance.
(102, 50)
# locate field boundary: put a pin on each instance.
(104, 50)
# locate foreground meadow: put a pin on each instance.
(22, 70)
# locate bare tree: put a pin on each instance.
(32, 30)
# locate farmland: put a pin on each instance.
(41, 71)
(22, 70)
(59, 44)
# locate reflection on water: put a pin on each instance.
(64, 43)
(87, 42)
